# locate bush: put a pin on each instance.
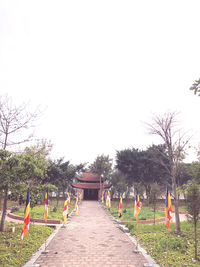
(54, 209)
(13, 209)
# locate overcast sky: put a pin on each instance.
(100, 69)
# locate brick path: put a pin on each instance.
(91, 239)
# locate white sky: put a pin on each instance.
(101, 68)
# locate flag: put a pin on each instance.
(168, 209)
(108, 202)
(65, 210)
(46, 199)
(120, 206)
(76, 205)
(26, 224)
(137, 207)
(68, 197)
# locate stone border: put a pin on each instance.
(36, 220)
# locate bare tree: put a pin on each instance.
(166, 127)
(15, 122)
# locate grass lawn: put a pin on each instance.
(10, 243)
(127, 214)
(181, 247)
(54, 212)
(159, 206)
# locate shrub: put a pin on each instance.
(54, 209)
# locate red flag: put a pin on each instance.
(137, 207)
(26, 224)
(168, 209)
(65, 210)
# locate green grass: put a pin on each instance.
(181, 247)
(54, 213)
(10, 243)
(127, 214)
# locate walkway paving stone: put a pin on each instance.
(90, 239)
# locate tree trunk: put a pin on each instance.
(176, 204)
(154, 210)
(0, 201)
(57, 198)
(195, 238)
(3, 217)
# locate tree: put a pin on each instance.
(14, 123)
(196, 87)
(118, 181)
(127, 162)
(165, 128)
(195, 170)
(155, 190)
(103, 166)
(8, 177)
(192, 191)
(61, 174)
(142, 166)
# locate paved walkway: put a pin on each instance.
(91, 238)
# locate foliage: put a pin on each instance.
(15, 171)
(196, 87)
(61, 174)
(192, 190)
(142, 166)
(118, 181)
(181, 246)
(10, 243)
(102, 165)
(8, 178)
(9, 163)
(184, 173)
(195, 170)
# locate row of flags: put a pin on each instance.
(137, 205)
(137, 208)
(26, 224)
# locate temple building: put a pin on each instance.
(91, 183)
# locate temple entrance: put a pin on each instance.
(90, 194)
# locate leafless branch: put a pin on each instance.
(14, 120)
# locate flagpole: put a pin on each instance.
(167, 246)
(45, 237)
(45, 219)
(20, 255)
(136, 232)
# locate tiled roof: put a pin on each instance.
(89, 177)
(90, 186)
